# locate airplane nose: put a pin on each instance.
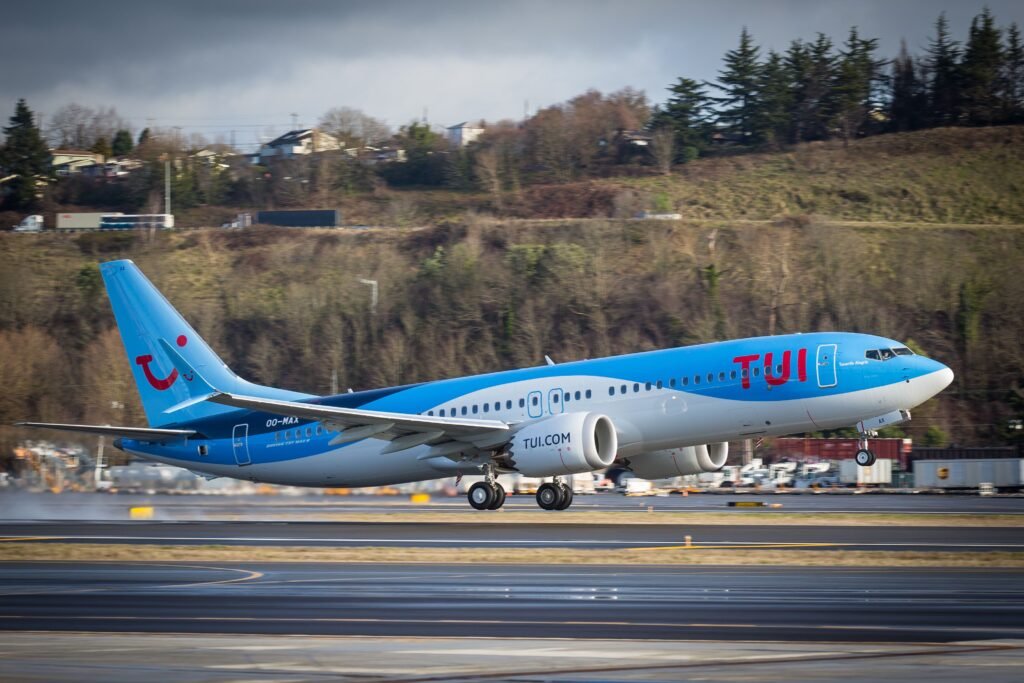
(944, 377)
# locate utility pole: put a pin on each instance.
(167, 186)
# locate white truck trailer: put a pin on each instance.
(879, 474)
(32, 223)
(82, 221)
(1002, 473)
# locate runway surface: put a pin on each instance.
(25, 506)
(521, 535)
(749, 603)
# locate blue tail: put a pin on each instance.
(144, 317)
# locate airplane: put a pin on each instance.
(657, 413)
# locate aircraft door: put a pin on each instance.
(240, 444)
(534, 404)
(826, 365)
(556, 405)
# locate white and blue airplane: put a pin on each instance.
(659, 414)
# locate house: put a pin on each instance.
(298, 142)
(464, 133)
(73, 161)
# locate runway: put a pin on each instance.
(521, 535)
(673, 603)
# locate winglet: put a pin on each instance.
(200, 389)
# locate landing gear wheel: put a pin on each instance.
(549, 496)
(499, 497)
(566, 497)
(865, 458)
(481, 495)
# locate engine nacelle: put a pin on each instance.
(564, 444)
(680, 461)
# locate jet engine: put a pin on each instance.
(564, 444)
(679, 461)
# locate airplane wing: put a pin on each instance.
(140, 433)
(404, 430)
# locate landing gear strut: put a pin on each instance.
(487, 494)
(556, 495)
(864, 457)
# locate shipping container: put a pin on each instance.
(879, 474)
(313, 218)
(1002, 473)
(964, 453)
(82, 221)
(815, 450)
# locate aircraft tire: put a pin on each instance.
(565, 500)
(548, 496)
(865, 458)
(481, 495)
(499, 497)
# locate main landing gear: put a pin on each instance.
(487, 494)
(864, 456)
(554, 496)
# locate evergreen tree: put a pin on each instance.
(943, 76)
(122, 145)
(909, 99)
(772, 119)
(102, 147)
(144, 137)
(688, 114)
(819, 104)
(855, 89)
(798, 67)
(739, 82)
(1013, 77)
(980, 70)
(25, 156)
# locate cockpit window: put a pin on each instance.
(886, 354)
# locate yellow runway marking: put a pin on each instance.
(16, 539)
(752, 546)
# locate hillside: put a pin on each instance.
(285, 306)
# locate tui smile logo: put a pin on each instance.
(160, 384)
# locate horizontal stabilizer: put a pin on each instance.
(138, 433)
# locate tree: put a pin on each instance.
(810, 69)
(122, 145)
(943, 75)
(144, 137)
(739, 82)
(663, 148)
(26, 157)
(980, 71)
(857, 75)
(772, 120)
(353, 128)
(909, 99)
(101, 147)
(1013, 76)
(688, 114)
(77, 126)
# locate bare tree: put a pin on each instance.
(487, 167)
(353, 128)
(663, 149)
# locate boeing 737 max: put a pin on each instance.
(659, 413)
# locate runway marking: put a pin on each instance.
(15, 539)
(751, 546)
(250, 575)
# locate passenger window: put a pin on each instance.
(277, 436)
(721, 377)
(203, 450)
(554, 398)
(696, 379)
(475, 411)
(672, 382)
(711, 377)
(659, 384)
(647, 386)
(757, 372)
(497, 406)
(320, 430)
(464, 410)
(732, 375)
(508, 405)
(744, 373)
(778, 369)
(622, 389)
(611, 391)
(535, 401)
(309, 432)
(487, 408)
(636, 387)
(588, 393)
(577, 395)
(522, 403)
(686, 381)
(442, 412)
(568, 397)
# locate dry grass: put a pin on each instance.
(75, 552)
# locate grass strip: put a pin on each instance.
(74, 552)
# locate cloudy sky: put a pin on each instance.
(254, 66)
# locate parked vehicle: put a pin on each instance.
(82, 220)
(133, 221)
(29, 224)
(877, 474)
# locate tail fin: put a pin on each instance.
(144, 317)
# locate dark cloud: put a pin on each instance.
(213, 64)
